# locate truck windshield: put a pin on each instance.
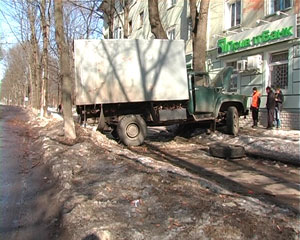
(222, 79)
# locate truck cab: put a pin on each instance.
(212, 99)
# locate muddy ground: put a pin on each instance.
(168, 188)
(27, 202)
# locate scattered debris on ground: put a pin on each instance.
(168, 188)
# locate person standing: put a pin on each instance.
(255, 106)
(270, 107)
(279, 98)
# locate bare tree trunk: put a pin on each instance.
(108, 8)
(45, 30)
(69, 127)
(155, 23)
(199, 26)
(35, 73)
(126, 20)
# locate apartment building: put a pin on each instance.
(259, 38)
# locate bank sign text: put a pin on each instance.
(263, 38)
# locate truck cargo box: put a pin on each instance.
(118, 71)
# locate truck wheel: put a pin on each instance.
(232, 121)
(132, 130)
(227, 151)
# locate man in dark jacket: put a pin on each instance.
(270, 107)
(279, 98)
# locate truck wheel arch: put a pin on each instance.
(223, 107)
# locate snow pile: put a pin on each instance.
(277, 145)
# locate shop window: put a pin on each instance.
(233, 12)
(279, 69)
(279, 5)
(171, 34)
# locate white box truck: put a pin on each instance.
(130, 84)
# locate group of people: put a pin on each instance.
(273, 105)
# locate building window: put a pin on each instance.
(171, 34)
(141, 19)
(279, 69)
(235, 10)
(278, 5)
(118, 33)
(119, 6)
(171, 3)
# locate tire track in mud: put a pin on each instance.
(271, 182)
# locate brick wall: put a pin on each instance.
(289, 120)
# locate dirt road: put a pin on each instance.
(270, 181)
(168, 188)
(26, 188)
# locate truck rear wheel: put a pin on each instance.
(232, 121)
(132, 130)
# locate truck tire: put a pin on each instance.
(232, 121)
(227, 151)
(132, 130)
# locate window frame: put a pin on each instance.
(171, 33)
(271, 6)
(229, 23)
(279, 63)
(235, 5)
(118, 31)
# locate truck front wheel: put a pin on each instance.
(132, 130)
(232, 121)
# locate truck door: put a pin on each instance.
(205, 99)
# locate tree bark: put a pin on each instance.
(45, 22)
(34, 61)
(126, 20)
(199, 32)
(69, 126)
(155, 23)
(108, 8)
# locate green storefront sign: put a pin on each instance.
(266, 36)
